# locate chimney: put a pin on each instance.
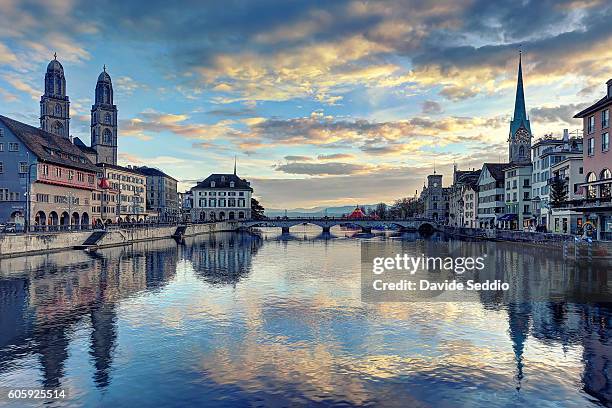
(609, 83)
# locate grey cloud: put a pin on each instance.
(560, 113)
(431, 107)
(319, 169)
(298, 158)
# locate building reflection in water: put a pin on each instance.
(556, 301)
(222, 258)
(44, 297)
(43, 303)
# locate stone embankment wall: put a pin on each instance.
(21, 244)
(505, 235)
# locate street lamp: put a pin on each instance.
(28, 193)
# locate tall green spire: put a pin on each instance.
(520, 113)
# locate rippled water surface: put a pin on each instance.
(267, 320)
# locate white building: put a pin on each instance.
(571, 171)
(470, 205)
(221, 197)
(518, 196)
(547, 152)
(491, 205)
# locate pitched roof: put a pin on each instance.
(466, 176)
(49, 147)
(496, 170)
(84, 148)
(606, 100)
(151, 171)
(222, 181)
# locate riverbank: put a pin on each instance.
(12, 245)
(507, 235)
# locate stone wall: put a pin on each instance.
(507, 235)
(20, 244)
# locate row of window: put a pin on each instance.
(6, 195)
(515, 196)
(12, 147)
(605, 144)
(514, 183)
(220, 193)
(605, 121)
(123, 177)
(221, 202)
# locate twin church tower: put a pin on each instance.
(55, 112)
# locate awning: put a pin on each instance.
(507, 217)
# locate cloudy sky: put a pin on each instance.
(322, 102)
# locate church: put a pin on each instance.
(55, 114)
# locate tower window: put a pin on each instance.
(107, 137)
(58, 110)
(107, 119)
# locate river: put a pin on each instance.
(239, 319)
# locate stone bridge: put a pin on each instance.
(367, 225)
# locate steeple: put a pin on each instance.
(519, 139)
(520, 113)
(54, 103)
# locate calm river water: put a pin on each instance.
(237, 319)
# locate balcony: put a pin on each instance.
(588, 204)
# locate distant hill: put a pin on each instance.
(315, 211)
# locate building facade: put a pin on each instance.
(456, 195)
(45, 181)
(517, 177)
(435, 199)
(597, 164)
(563, 219)
(546, 153)
(470, 204)
(129, 186)
(221, 197)
(162, 196)
(491, 190)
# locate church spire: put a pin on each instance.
(519, 103)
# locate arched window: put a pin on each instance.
(605, 190)
(107, 119)
(59, 86)
(58, 110)
(107, 137)
(58, 129)
(106, 95)
(591, 178)
(521, 151)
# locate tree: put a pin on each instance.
(257, 210)
(558, 192)
(381, 210)
(405, 207)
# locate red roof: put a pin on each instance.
(104, 184)
(357, 213)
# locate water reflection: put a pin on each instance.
(267, 319)
(223, 258)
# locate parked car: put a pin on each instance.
(9, 227)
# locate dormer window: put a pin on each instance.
(212, 183)
(231, 184)
(222, 179)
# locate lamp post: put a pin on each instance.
(28, 193)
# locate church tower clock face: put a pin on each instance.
(522, 136)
